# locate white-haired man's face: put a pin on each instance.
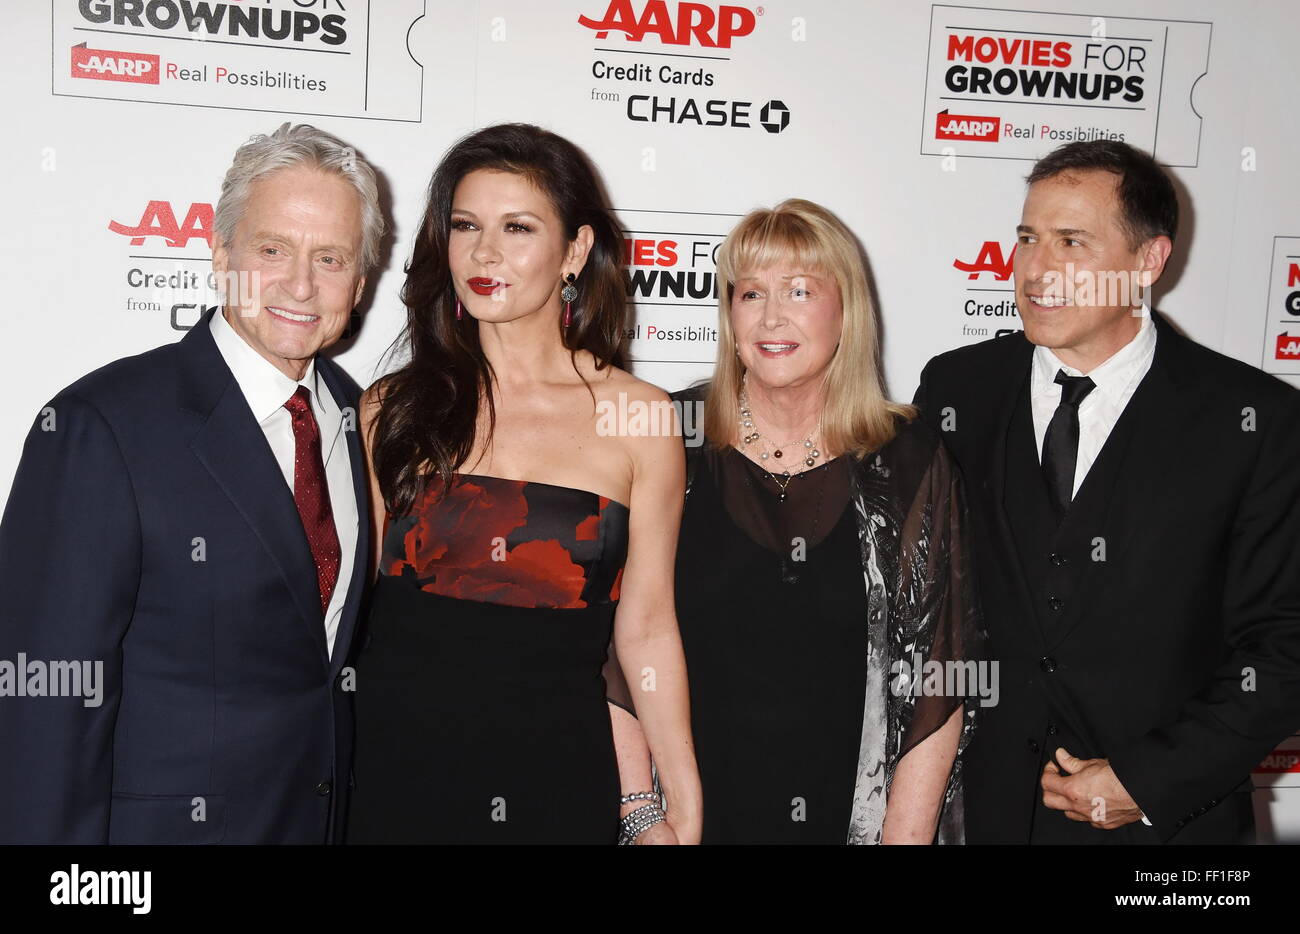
(292, 274)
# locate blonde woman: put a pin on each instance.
(822, 563)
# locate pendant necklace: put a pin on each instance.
(750, 435)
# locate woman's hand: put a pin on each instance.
(661, 834)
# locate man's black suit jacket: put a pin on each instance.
(150, 528)
(1176, 654)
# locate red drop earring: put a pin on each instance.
(568, 294)
(459, 313)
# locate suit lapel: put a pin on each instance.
(1015, 383)
(231, 446)
(351, 435)
(1118, 488)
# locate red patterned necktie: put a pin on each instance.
(311, 494)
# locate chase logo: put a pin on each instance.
(774, 117)
(105, 65)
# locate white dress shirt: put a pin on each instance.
(1116, 380)
(267, 390)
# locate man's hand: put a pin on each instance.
(1091, 792)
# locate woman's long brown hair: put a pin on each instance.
(429, 408)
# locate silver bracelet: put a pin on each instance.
(641, 820)
(633, 833)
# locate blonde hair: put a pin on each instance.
(857, 418)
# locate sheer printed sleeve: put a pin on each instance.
(937, 639)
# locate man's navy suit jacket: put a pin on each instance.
(150, 528)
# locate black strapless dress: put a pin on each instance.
(481, 713)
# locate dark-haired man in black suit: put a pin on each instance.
(1136, 500)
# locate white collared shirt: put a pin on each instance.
(1116, 380)
(266, 390)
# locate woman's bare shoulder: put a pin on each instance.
(611, 381)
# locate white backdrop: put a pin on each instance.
(915, 122)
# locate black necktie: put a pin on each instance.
(1061, 443)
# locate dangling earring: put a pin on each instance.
(567, 295)
(459, 313)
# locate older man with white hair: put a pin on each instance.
(191, 518)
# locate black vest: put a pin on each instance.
(1056, 558)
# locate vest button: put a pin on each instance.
(1033, 746)
(1057, 560)
(1047, 663)
(323, 789)
(1056, 603)
(1051, 729)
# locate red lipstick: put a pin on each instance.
(482, 286)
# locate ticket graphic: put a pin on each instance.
(1281, 354)
(317, 57)
(1010, 84)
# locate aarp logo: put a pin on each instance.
(686, 24)
(159, 220)
(991, 259)
(106, 65)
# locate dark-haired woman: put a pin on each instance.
(514, 533)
